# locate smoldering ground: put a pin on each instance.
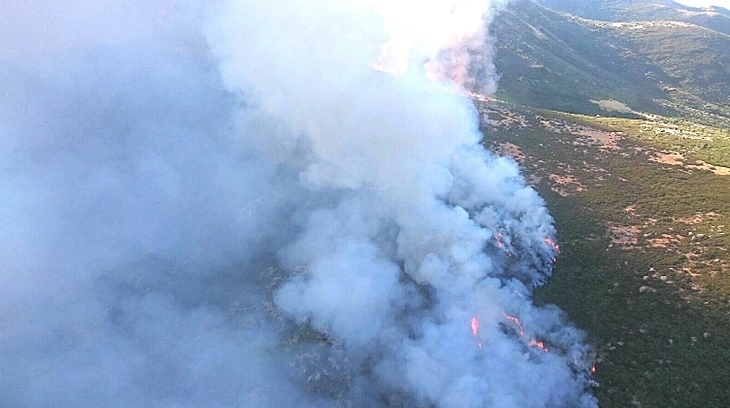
(227, 205)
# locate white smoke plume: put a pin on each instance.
(233, 205)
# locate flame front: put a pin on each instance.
(537, 344)
(517, 322)
(554, 246)
(533, 341)
(498, 237)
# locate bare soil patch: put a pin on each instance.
(511, 150)
(625, 236)
(599, 138)
(698, 218)
(561, 184)
(676, 159)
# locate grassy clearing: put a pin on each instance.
(695, 141)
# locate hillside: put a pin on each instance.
(618, 115)
(642, 220)
(714, 18)
(553, 60)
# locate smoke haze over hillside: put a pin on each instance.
(230, 205)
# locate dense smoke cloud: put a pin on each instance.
(234, 205)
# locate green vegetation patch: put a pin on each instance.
(645, 267)
(692, 140)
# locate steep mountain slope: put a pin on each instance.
(555, 60)
(549, 60)
(715, 18)
(693, 62)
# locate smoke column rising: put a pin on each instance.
(230, 205)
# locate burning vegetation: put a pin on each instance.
(235, 221)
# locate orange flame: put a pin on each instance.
(552, 244)
(478, 97)
(538, 344)
(517, 322)
(475, 331)
(498, 237)
(593, 370)
(533, 342)
(475, 326)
